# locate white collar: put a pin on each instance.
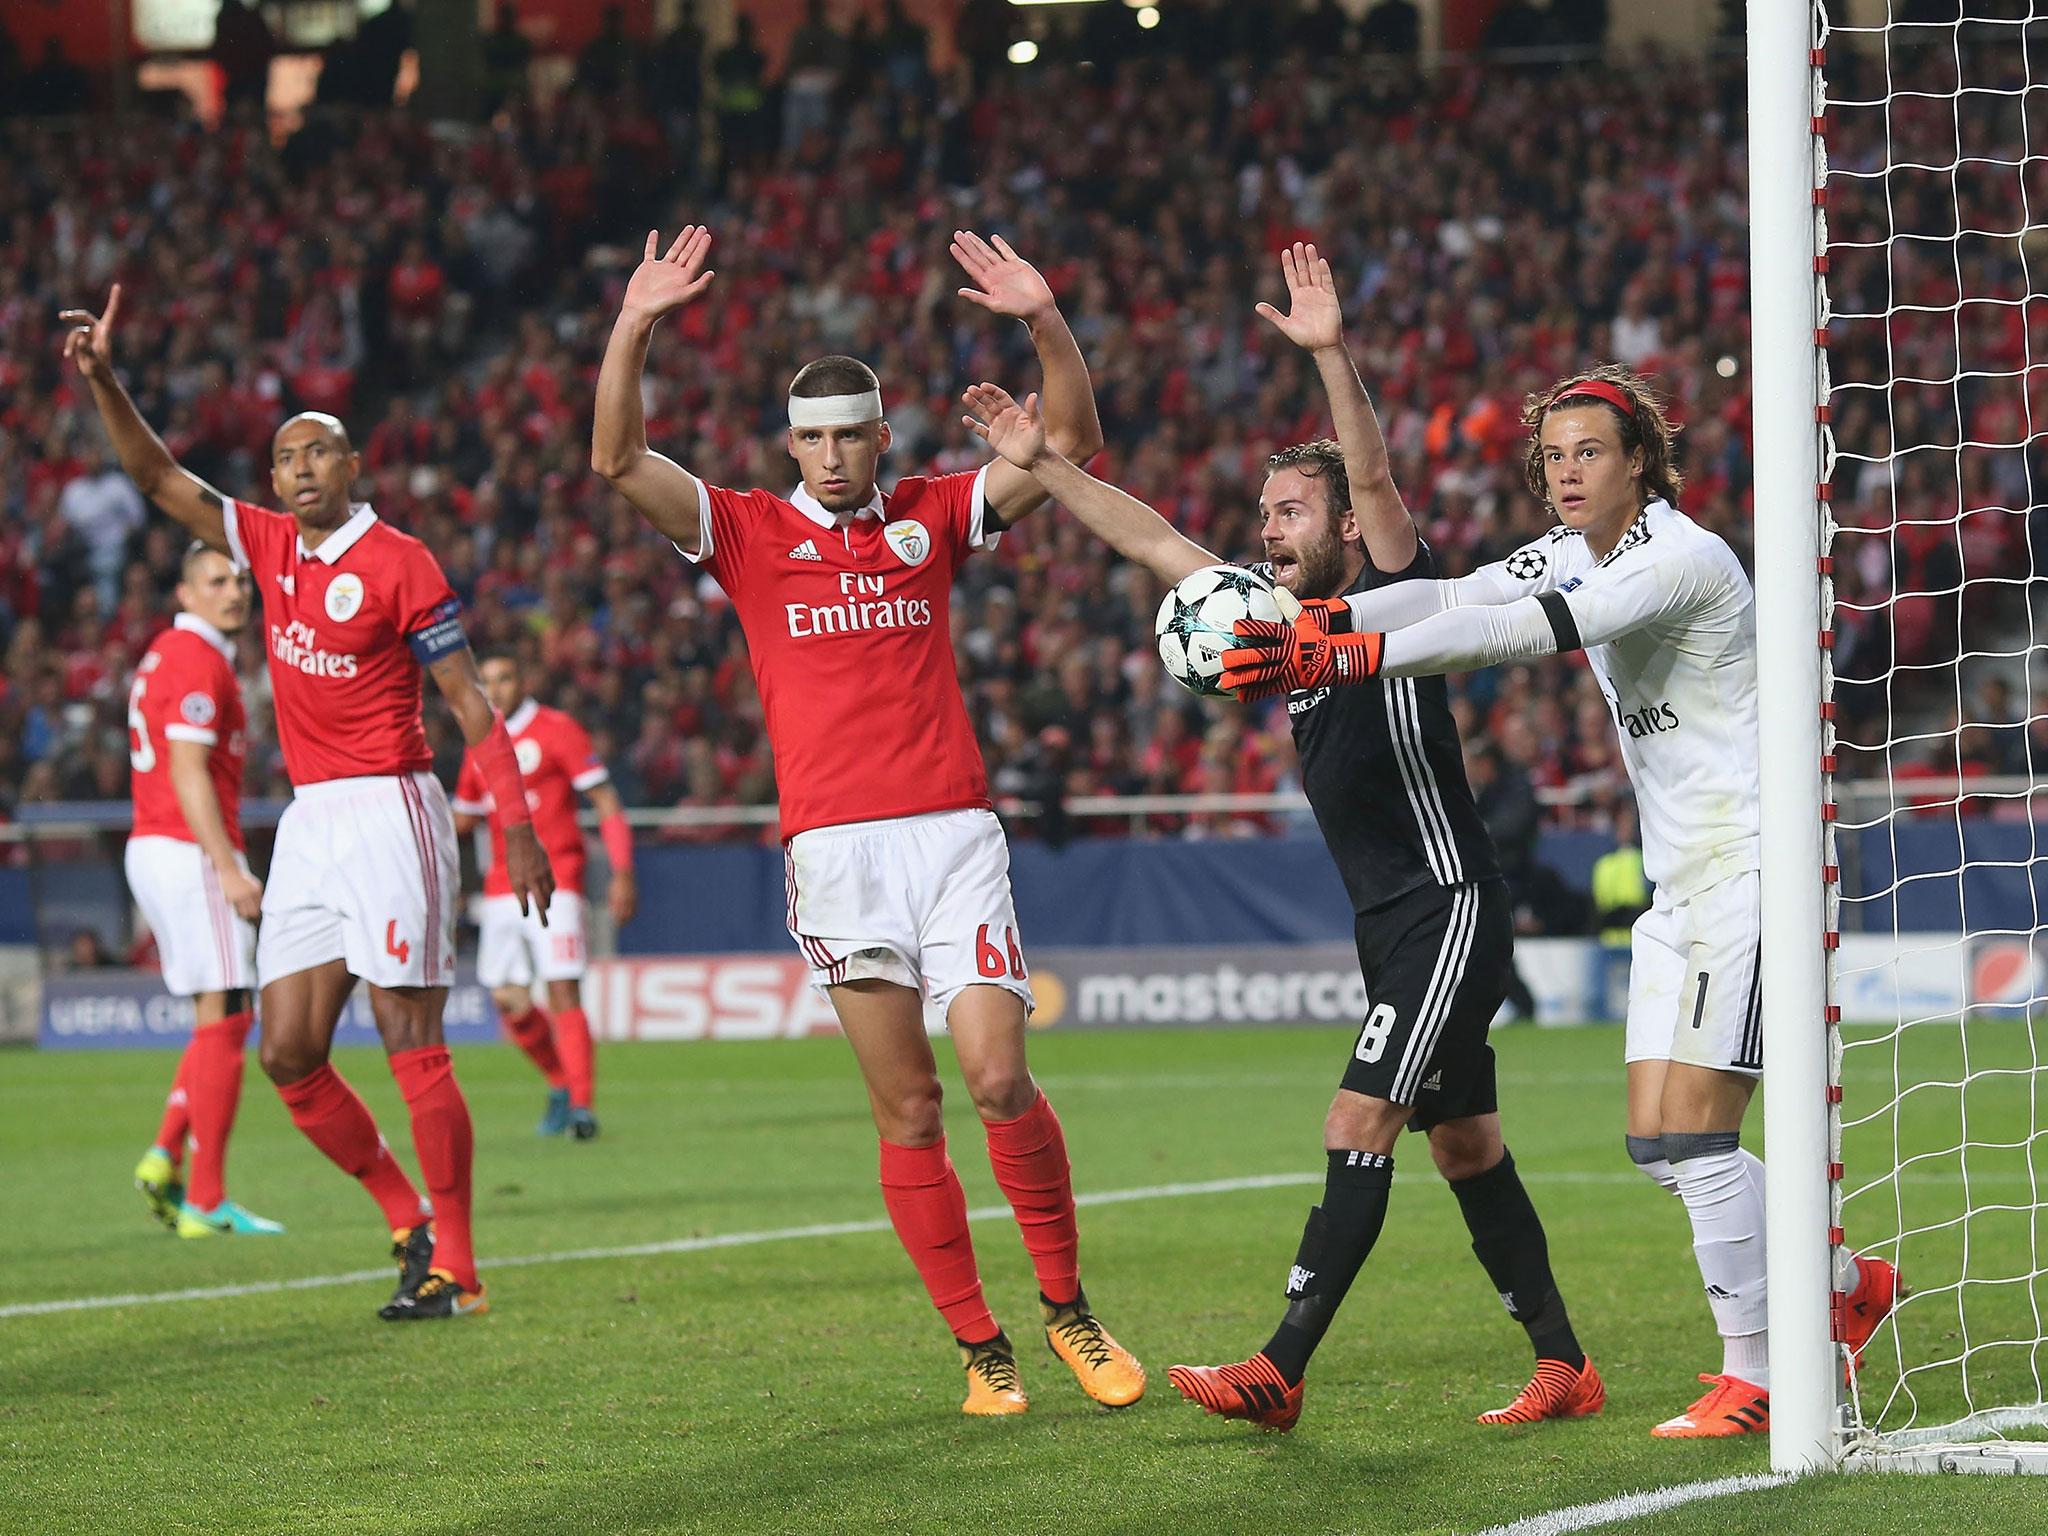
(802, 499)
(338, 543)
(522, 717)
(191, 623)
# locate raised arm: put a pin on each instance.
(1512, 610)
(193, 785)
(179, 492)
(666, 494)
(1126, 524)
(483, 728)
(1007, 284)
(1315, 322)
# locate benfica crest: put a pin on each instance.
(909, 539)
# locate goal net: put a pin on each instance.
(1931, 291)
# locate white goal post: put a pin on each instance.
(1894, 290)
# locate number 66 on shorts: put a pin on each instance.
(922, 901)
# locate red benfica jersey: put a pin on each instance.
(558, 764)
(847, 623)
(185, 689)
(348, 627)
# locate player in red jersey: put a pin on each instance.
(898, 876)
(363, 876)
(186, 870)
(514, 949)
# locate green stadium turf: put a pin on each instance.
(803, 1383)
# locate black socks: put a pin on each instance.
(1508, 1239)
(1339, 1234)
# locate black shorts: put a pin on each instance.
(1436, 965)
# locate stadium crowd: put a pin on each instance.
(447, 289)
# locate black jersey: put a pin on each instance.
(1385, 776)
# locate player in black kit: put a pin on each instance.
(1386, 780)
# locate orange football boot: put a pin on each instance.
(993, 1387)
(1252, 1389)
(1878, 1289)
(1556, 1391)
(1730, 1407)
(1107, 1371)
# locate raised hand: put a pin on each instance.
(1006, 284)
(90, 342)
(666, 282)
(1017, 432)
(1313, 319)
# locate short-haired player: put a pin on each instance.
(518, 951)
(1667, 619)
(1385, 778)
(898, 875)
(362, 880)
(188, 874)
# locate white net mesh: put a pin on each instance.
(1935, 377)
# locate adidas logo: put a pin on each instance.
(1434, 1082)
(808, 550)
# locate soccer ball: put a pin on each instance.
(1194, 623)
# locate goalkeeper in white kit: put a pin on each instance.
(1667, 619)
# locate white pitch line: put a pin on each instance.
(775, 1235)
(640, 1250)
(1632, 1506)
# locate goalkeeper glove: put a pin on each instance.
(1311, 647)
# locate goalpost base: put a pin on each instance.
(2007, 1460)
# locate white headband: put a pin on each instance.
(835, 410)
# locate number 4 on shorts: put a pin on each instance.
(989, 960)
(399, 949)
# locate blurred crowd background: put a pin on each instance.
(446, 288)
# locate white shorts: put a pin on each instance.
(1693, 986)
(515, 951)
(923, 901)
(204, 944)
(364, 871)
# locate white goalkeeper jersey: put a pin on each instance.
(1667, 619)
(1668, 622)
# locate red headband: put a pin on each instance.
(1599, 389)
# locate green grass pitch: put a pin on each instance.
(804, 1384)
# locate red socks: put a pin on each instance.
(534, 1033)
(170, 1136)
(1029, 1156)
(211, 1075)
(442, 1137)
(572, 1039)
(327, 1110)
(929, 1212)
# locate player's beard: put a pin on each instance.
(1319, 566)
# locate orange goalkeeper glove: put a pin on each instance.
(1311, 647)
